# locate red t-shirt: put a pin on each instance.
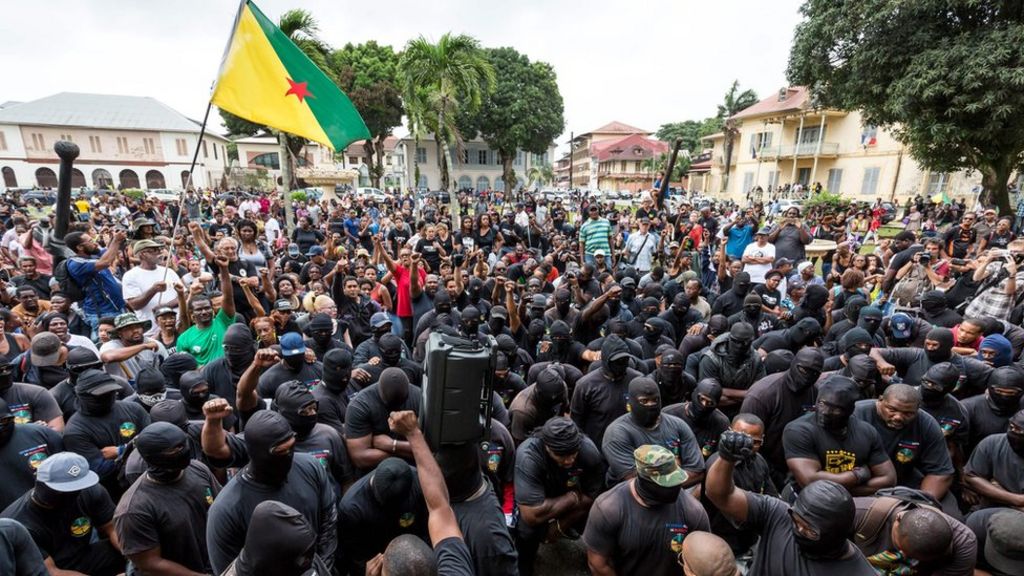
(403, 279)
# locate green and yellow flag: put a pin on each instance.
(266, 79)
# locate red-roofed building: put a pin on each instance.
(615, 157)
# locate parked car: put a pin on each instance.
(164, 194)
(888, 212)
(786, 204)
(45, 197)
(375, 194)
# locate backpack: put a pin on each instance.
(67, 284)
(888, 502)
(908, 290)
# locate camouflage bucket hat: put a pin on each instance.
(657, 464)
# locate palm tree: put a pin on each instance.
(541, 174)
(734, 102)
(438, 82)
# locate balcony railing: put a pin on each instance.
(799, 150)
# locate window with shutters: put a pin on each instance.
(869, 185)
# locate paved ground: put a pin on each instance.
(563, 558)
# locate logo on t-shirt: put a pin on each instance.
(127, 429)
(22, 413)
(208, 494)
(676, 534)
(573, 478)
(81, 527)
(322, 456)
(906, 451)
(673, 446)
(35, 455)
(949, 426)
(406, 519)
(709, 447)
(839, 461)
(311, 384)
(494, 453)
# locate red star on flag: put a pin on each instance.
(298, 89)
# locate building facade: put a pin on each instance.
(615, 157)
(478, 169)
(786, 139)
(124, 142)
(263, 154)
(394, 177)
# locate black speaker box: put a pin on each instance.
(458, 378)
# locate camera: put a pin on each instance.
(926, 257)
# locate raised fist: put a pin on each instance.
(735, 446)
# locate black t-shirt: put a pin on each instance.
(770, 298)
(430, 253)
(64, 533)
(483, 526)
(994, 460)
(624, 436)
(770, 400)
(307, 238)
(539, 477)
(597, 401)
(803, 438)
(398, 236)
(641, 540)
(366, 526)
(913, 363)
(88, 435)
(953, 420)
(453, 558)
(19, 555)
(271, 380)
(21, 456)
(30, 403)
(307, 489)
(982, 420)
(918, 450)
(498, 458)
(331, 407)
(171, 517)
(367, 414)
(752, 475)
(707, 431)
(959, 241)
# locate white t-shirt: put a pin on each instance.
(272, 230)
(757, 271)
(135, 283)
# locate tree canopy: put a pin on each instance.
(691, 131)
(945, 76)
(523, 112)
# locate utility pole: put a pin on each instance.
(572, 151)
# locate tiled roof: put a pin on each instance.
(617, 127)
(623, 149)
(794, 99)
(98, 111)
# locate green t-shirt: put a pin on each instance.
(206, 344)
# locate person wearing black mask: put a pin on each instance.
(79, 360)
(598, 398)
(103, 426)
(851, 314)
(912, 363)
(807, 539)
(628, 297)
(29, 403)
(561, 348)
(731, 301)
(732, 361)
(864, 372)
(177, 364)
(701, 414)
(224, 373)
(368, 438)
(693, 346)
(937, 399)
(151, 389)
(781, 398)
(292, 366)
(19, 555)
(274, 472)
(195, 392)
(646, 424)
(390, 356)
(161, 519)
(870, 319)
(507, 384)
(680, 317)
(804, 333)
(331, 392)
(559, 473)
(995, 472)
(442, 305)
(650, 307)
(22, 448)
(989, 413)
(562, 310)
(546, 398)
(638, 527)
(320, 332)
(69, 516)
(284, 545)
(469, 322)
(674, 383)
(935, 310)
(829, 444)
(812, 305)
(656, 333)
(753, 313)
(378, 508)
(380, 324)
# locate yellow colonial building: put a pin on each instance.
(787, 139)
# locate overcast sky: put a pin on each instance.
(644, 62)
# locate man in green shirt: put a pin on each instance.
(204, 340)
(595, 234)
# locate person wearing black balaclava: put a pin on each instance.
(561, 348)
(195, 392)
(680, 317)
(103, 426)
(224, 373)
(675, 384)
(829, 444)
(442, 305)
(731, 301)
(31, 403)
(627, 527)
(22, 448)
(780, 398)
(390, 356)
(936, 311)
(507, 384)
(650, 307)
(519, 360)
(172, 412)
(937, 399)
(656, 333)
(701, 414)
(175, 365)
(693, 346)
(151, 389)
(808, 538)
(379, 507)
(284, 544)
(812, 305)
(628, 298)
(161, 519)
(367, 436)
(599, 397)
(803, 333)
(332, 391)
(292, 366)
(320, 332)
(753, 313)
(912, 363)
(299, 407)
(274, 472)
(562, 310)
(864, 372)
(870, 319)
(995, 471)
(778, 361)
(69, 516)
(855, 342)
(535, 331)
(79, 360)
(546, 398)
(469, 322)
(645, 423)
(851, 314)
(989, 413)
(732, 361)
(559, 473)
(380, 324)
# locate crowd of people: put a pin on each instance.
(709, 389)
